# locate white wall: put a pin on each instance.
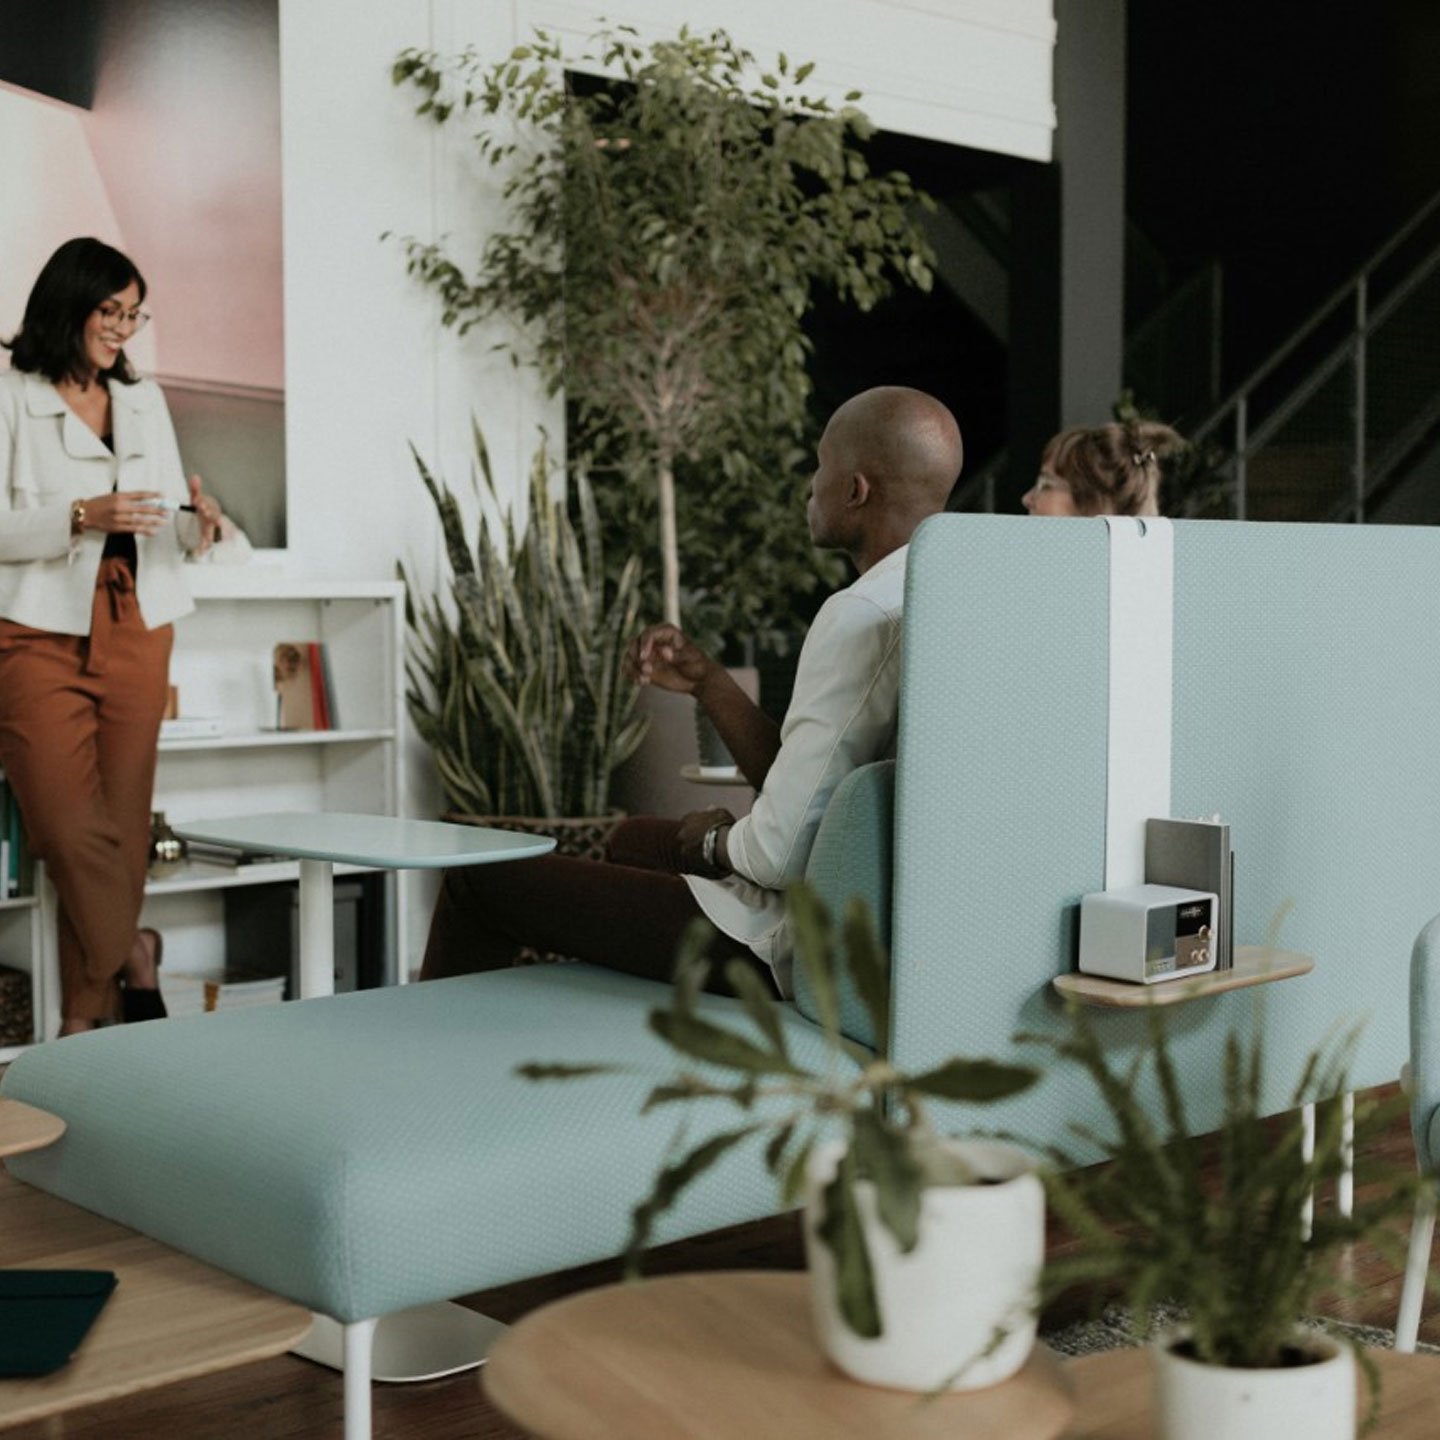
(368, 368)
(50, 190)
(183, 127)
(969, 72)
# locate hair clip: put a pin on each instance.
(1142, 459)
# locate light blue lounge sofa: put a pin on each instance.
(364, 1153)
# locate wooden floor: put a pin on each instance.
(290, 1399)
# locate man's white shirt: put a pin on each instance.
(843, 715)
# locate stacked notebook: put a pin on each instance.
(201, 994)
(1196, 855)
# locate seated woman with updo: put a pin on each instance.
(1103, 470)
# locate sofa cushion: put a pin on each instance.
(367, 1152)
(852, 857)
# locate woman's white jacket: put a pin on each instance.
(49, 458)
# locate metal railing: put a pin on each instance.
(1334, 413)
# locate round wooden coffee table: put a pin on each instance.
(731, 1356)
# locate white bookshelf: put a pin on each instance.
(222, 667)
(22, 947)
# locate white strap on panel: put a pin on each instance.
(1142, 614)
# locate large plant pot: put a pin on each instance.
(972, 1277)
(711, 751)
(1194, 1401)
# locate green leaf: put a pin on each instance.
(759, 1004)
(839, 1229)
(974, 1080)
(775, 1149)
(703, 1041)
(562, 1071)
(792, 1187)
(692, 969)
(869, 969)
(810, 926)
(884, 1157)
(671, 1183)
(692, 1087)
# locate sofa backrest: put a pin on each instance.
(852, 858)
(1306, 703)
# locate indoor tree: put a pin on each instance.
(663, 237)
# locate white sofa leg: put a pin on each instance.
(1345, 1185)
(359, 1341)
(1307, 1153)
(1417, 1266)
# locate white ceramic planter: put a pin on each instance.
(972, 1275)
(1203, 1402)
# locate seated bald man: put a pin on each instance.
(887, 460)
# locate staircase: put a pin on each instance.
(1342, 422)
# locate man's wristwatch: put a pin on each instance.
(708, 844)
(77, 518)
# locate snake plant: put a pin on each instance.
(514, 670)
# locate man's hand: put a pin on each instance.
(664, 655)
(690, 841)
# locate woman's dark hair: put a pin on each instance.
(75, 279)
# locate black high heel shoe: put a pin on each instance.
(137, 1003)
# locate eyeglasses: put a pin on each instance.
(115, 316)
(1044, 482)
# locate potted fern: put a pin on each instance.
(515, 678)
(1231, 1248)
(924, 1251)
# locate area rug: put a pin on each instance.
(1111, 1330)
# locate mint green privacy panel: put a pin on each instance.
(1307, 713)
(363, 1153)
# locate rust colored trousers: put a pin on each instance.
(79, 721)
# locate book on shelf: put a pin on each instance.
(1196, 855)
(17, 869)
(203, 852)
(304, 698)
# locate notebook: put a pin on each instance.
(45, 1314)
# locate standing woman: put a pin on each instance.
(90, 578)
(1109, 469)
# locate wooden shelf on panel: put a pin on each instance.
(23, 1127)
(1254, 965)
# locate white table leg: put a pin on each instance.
(317, 928)
(1307, 1153)
(1345, 1185)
